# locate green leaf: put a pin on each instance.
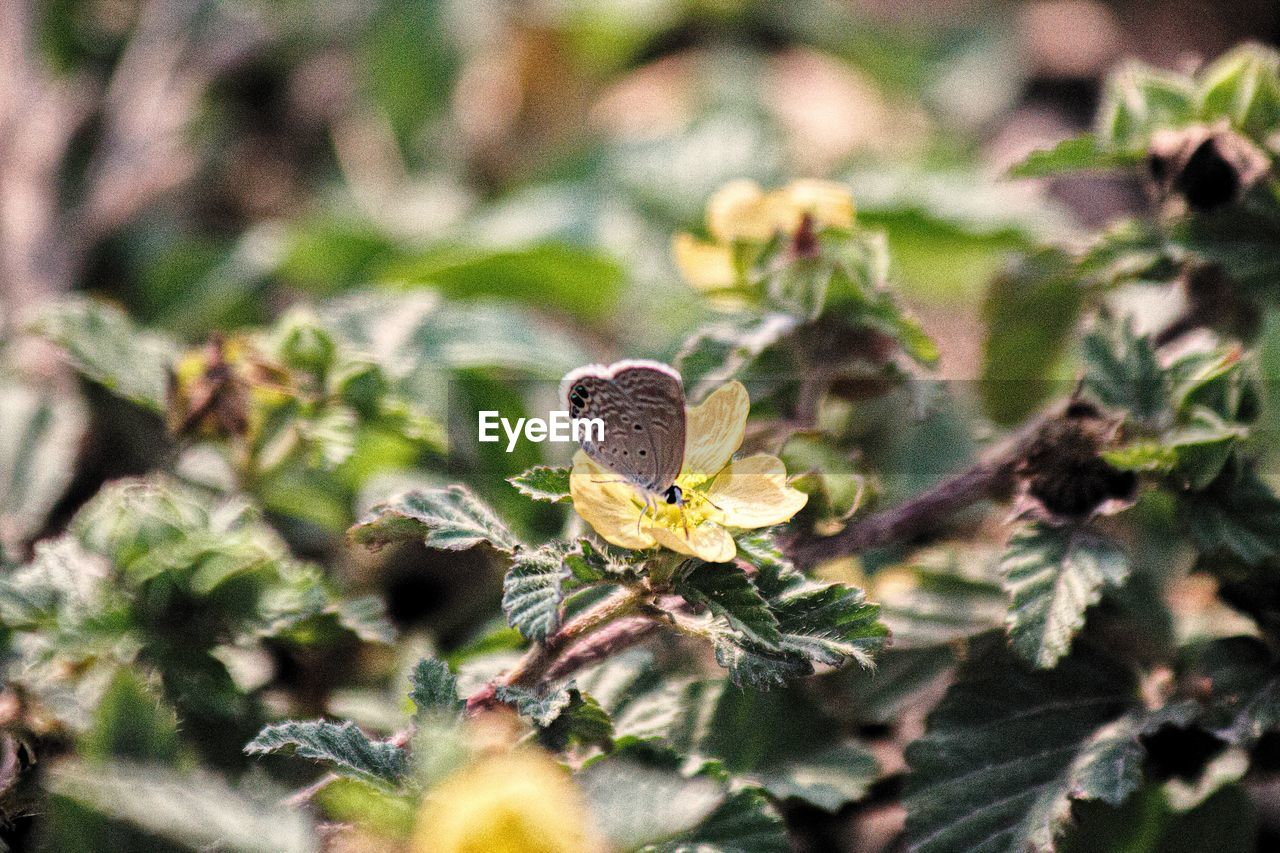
(451, 518)
(635, 805)
(827, 475)
(1243, 85)
(818, 623)
(1244, 683)
(432, 334)
(1237, 514)
(745, 822)
(64, 583)
(1243, 239)
(1137, 100)
(366, 617)
(1052, 575)
(38, 430)
(780, 739)
(1143, 456)
(941, 596)
(1008, 748)
(385, 814)
(1226, 822)
(196, 811)
(827, 779)
(543, 484)
(155, 526)
(576, 280)
(1030, 312)
(533, 590)
(105, 345)
(729, 349)
(725, 590)
(1074, 154)
(342, 746)
(563, 716)
(591, 563)
(1203, 447)
(133, 724)
(434, 689)
(1122, 371)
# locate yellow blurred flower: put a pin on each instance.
(741, 212)
(520, 802)
(720, 493)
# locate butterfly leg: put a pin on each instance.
(648, 505)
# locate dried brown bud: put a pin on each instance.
(1062, 477)
(206, 395)
(1209, 166)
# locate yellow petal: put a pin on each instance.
(829, 203)
(607, 504)
(739, 210)
(753, 492)
(517, 803)
(706, 266)
(714, 430)
(708, 540)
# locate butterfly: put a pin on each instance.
(641, 404)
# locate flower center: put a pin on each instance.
(696, 509)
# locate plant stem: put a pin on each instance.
(542, 657)
(991, 477)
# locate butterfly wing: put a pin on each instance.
(642, 407)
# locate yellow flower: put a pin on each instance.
(520, 802)
(741, 212)
(719, 492)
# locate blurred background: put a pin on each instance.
(206, 166)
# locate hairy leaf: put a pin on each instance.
(199, 812)
(1237, 514)
(727, 592)
(38, 431)
(343, 746)
(942, 595)
(1121, 370)
(728, 350)
(591, 563)
(105, 345)
(818, 623)
(563, 716)
(533, 590)
(745, 822)
(434, 689)
(543, 483)
(1009, 748)
(635, 806)
(1053, 574)
(450, 518)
